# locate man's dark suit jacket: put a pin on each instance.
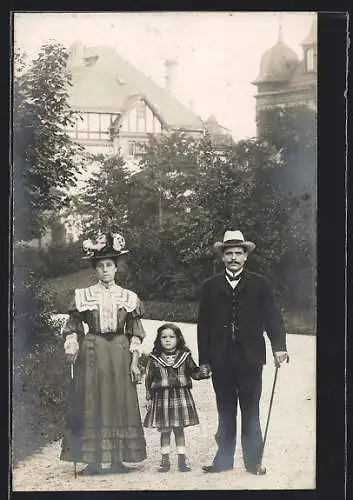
(257, 312)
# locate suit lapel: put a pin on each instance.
(243, 282)
(222, 284)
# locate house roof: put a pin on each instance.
(277, 64)
(214, 127)
(102, 81)
(129, 103)
(302, 76)
(311, 39)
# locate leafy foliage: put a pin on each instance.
(104, 201)
(293, 132)
(183, 198)
(186, 193)
(55, 260)
(40, 384)
(45, 160)
(33, 305)
(45, 164)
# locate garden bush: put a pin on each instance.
(171, 311)
(41, 380)
(33, 305)
(55, 260)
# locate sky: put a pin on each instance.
(218, 53)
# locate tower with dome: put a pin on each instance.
(285, 79)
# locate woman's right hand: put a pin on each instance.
(71, 347)
(71, 358)
(148, 404)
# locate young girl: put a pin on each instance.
(170, 405)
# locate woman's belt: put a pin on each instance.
(108, 335)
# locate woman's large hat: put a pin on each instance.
(105, 246)
(233, 239)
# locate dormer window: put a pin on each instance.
(310, 60)
(89, 61)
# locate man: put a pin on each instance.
(236, 307)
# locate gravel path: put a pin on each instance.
(289, 455)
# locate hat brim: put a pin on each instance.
(219, 247)
(111, 255)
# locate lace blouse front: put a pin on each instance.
(111, 309)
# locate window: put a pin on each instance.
(82, 126)
(136, 149)
(106, 121)
(149, 121)
(157, 125)
(93, 126)
(141, 118)
(94, 122)
(309, 58)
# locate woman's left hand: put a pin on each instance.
(135, 374)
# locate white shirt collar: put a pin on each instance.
(235, 275)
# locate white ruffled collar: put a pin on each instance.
(90, 298)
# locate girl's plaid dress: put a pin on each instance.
(168, 386)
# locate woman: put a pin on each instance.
(105, 422)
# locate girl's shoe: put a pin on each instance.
(183, 466)
(165, 464)
(90, 470)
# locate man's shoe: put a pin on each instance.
(258, 471)
(215, 468)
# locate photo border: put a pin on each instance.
(331, 275)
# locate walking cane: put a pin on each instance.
(259, 467)
(72, 378)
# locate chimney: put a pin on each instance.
(170, 73)
(76, 53)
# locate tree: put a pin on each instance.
(184, 197)
(293, 132)
(104, 201)
(45, 163)
(45, 160)
(234, 190)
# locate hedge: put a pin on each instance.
(40, 384)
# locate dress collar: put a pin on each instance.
(178, 360)
(107, 286)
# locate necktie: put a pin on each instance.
(234, 278)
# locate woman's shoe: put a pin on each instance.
(119, 468)
(90, 470)
(165, 464)
(183, 466)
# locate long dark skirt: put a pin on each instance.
(104, 421)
